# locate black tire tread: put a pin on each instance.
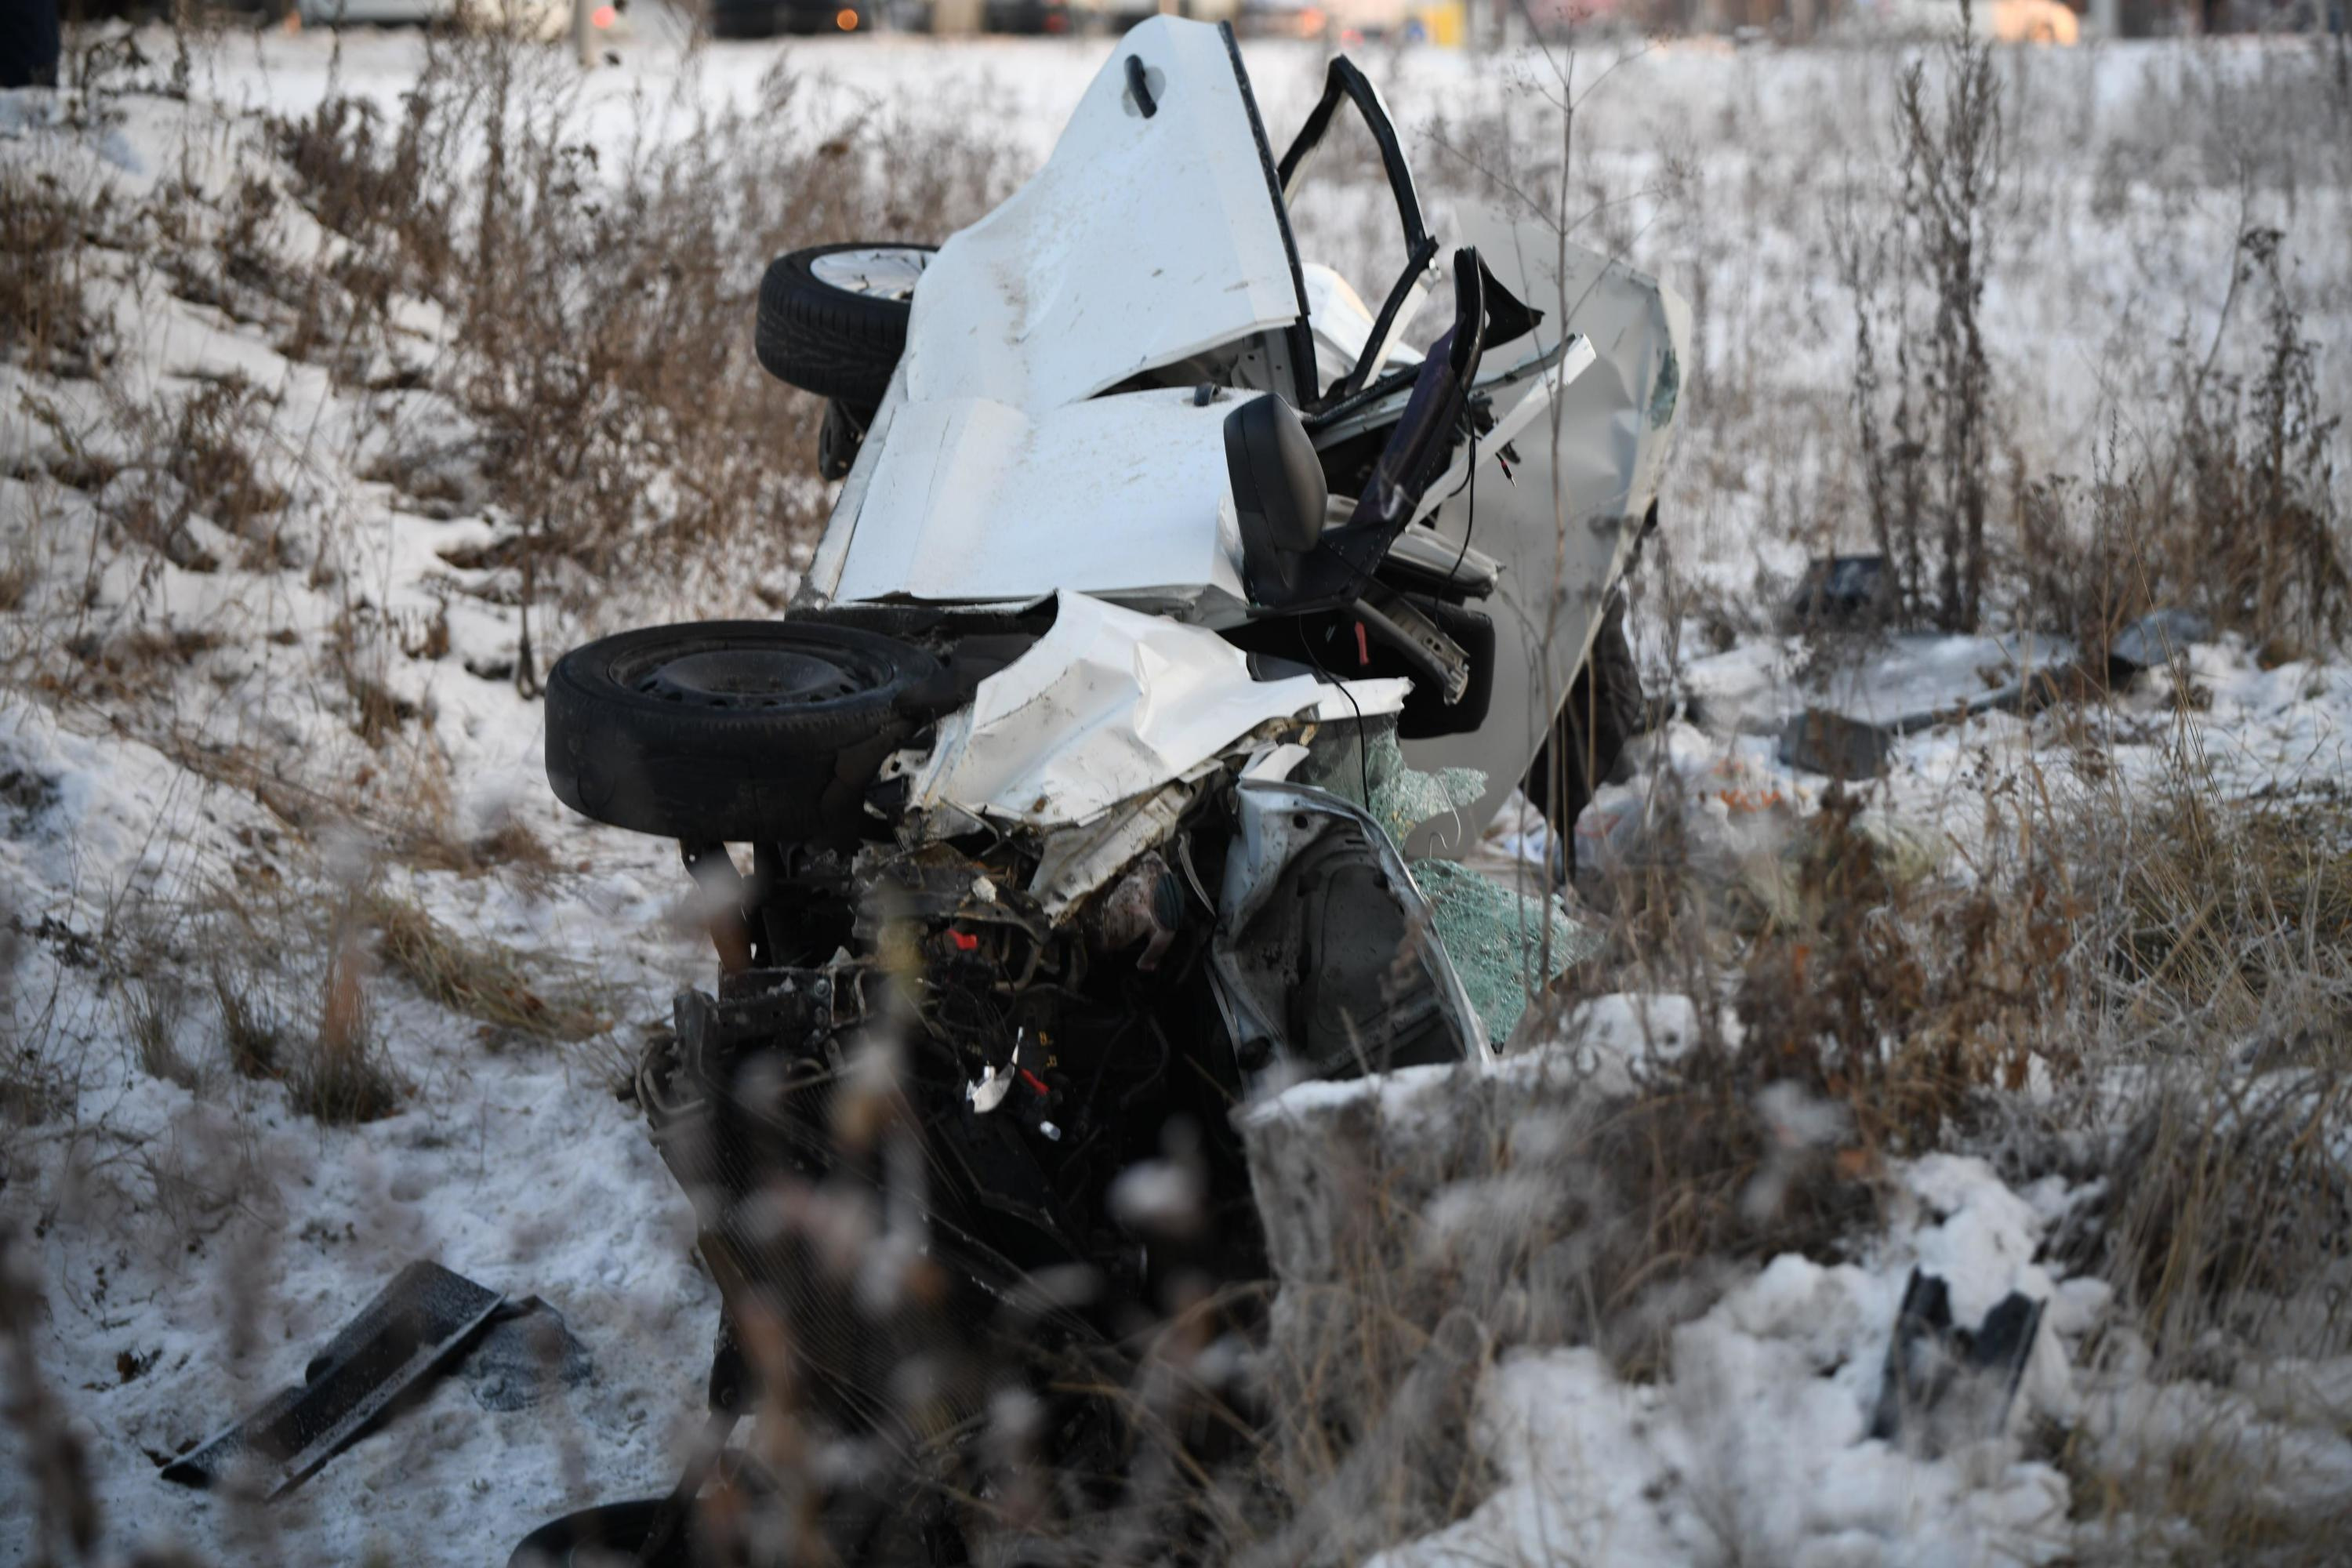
(729, 775)
(825, 340)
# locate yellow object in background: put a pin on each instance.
(1441, 24)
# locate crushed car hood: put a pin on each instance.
(1110, 704)
(996, 469)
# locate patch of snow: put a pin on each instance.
(1755, 1447)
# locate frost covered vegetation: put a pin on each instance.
(341, 386)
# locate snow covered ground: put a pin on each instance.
(189, 794)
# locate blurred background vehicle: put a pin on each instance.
(542, 19)
(1032, 16)
(765, 18)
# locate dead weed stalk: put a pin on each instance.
(343, 1076)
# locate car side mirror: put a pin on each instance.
(1279, 494)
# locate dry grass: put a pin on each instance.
(152, 1014)
(1927, 460)
(607, 335)
(340, 1077)
(1888, 1016)
(252, 1034)
(2239, 915)
(474, 977)
(1536, 1208)
(46, 324)
(2230, 509)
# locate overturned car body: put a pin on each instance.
(1070, 783)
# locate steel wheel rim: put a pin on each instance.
(720, 678)
(878, 271)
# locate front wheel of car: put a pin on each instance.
(733, 732)
(1604, 710)
(833, 318)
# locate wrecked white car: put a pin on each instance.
(1078, 786)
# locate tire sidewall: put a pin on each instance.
(837, 343)
(739, 775)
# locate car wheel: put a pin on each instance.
(1604, 710)
(611, 1535)
(735, 731)
(832, 319)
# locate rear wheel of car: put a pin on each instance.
(738, 731)
(832, 319)
(1604, 710)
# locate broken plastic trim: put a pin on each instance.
(1947, 1384)
(1434, 656)
(411, 1331)
(1346, 80)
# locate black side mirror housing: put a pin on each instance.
(1279, 494)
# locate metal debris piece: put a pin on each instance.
(1843, 593)
(1820, 741)
(424, 1318)
(1945, 1384)
(2155, 638)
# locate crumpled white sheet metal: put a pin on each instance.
(1141, 242)
(995, 469)
(1073, 862)
(1124, 496)
(1563, 530)
(1107, 706)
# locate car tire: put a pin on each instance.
(1604, 710)
(606, 1536)
(735, 731)
(823, 331)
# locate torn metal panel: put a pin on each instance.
(1108, 706)
(1564, 526)
(1073, 862)
(1327, 957)
(1275, 762)
(997, 468)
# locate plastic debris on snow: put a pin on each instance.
(1755, 1451)
(1905, 682)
